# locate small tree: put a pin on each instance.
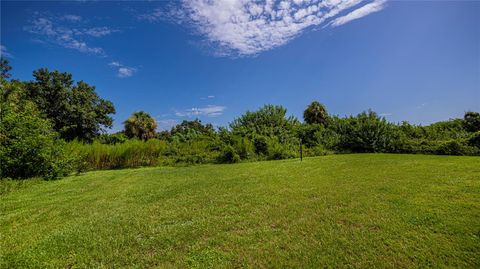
(140, 125)
(315, 113)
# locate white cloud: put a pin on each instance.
(375, 6)
(245, 27)
(4, 52)
(208, 97)
(71, 18)
(209, 111)
(115, 64)
(123, 71)
(99, 31)
(48, 30)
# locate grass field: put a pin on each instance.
(334, 211)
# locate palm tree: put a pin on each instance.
(140, 125)
(315, 113)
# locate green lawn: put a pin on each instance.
(334, 211)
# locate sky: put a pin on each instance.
(417, 61)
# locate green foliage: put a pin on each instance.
(75, 110)
(280, 151)
(112, 139)
(472, 121)
(196, 126)
(260, 144)
(229, 155)
(140, 125)
(269, 121)
(315, 113)
(474, 141)
(455, 147)
(366, 132)
(29, 146)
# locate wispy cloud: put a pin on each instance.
(4, 52)
(244, 27)
(123, 71)
(68, 35)
(207, 97)
(360, 12)
(71, 18)
(209, 111)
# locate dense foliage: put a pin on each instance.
(37, 116)
(315, 113)
(28, 145)
(75, 110)
(140, 125)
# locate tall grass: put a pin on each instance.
(137, 153)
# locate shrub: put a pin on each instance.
(229, 155)
(244, 147)
(365, 133)
(28, 145)
(454, 148)
(474, 141)
(260, 144)
(112, 139)
(279, 151)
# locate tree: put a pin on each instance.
(315, 113)
(367, 132)
(472, 121)
(28, 145)
(268, 121)
(4, 68)
(75, 110)
(140, 125)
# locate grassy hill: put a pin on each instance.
(369, 210)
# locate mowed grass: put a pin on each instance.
(359, 210)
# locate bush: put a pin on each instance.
(229, 155)
(474, 141)
(278, 151)
(112, 139)
(366, 132)
(244, 147)
(29, 146)
(260, 144)
(454, 148)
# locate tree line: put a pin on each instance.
(51, 126)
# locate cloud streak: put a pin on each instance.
(209, 111)
(68, 35)
(244, 27)
(360, 12)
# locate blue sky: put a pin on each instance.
(407, 60)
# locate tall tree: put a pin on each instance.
(140, 125)
(75, 110)
(4, 68)
(315, 113)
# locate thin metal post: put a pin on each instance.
(301, 151)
